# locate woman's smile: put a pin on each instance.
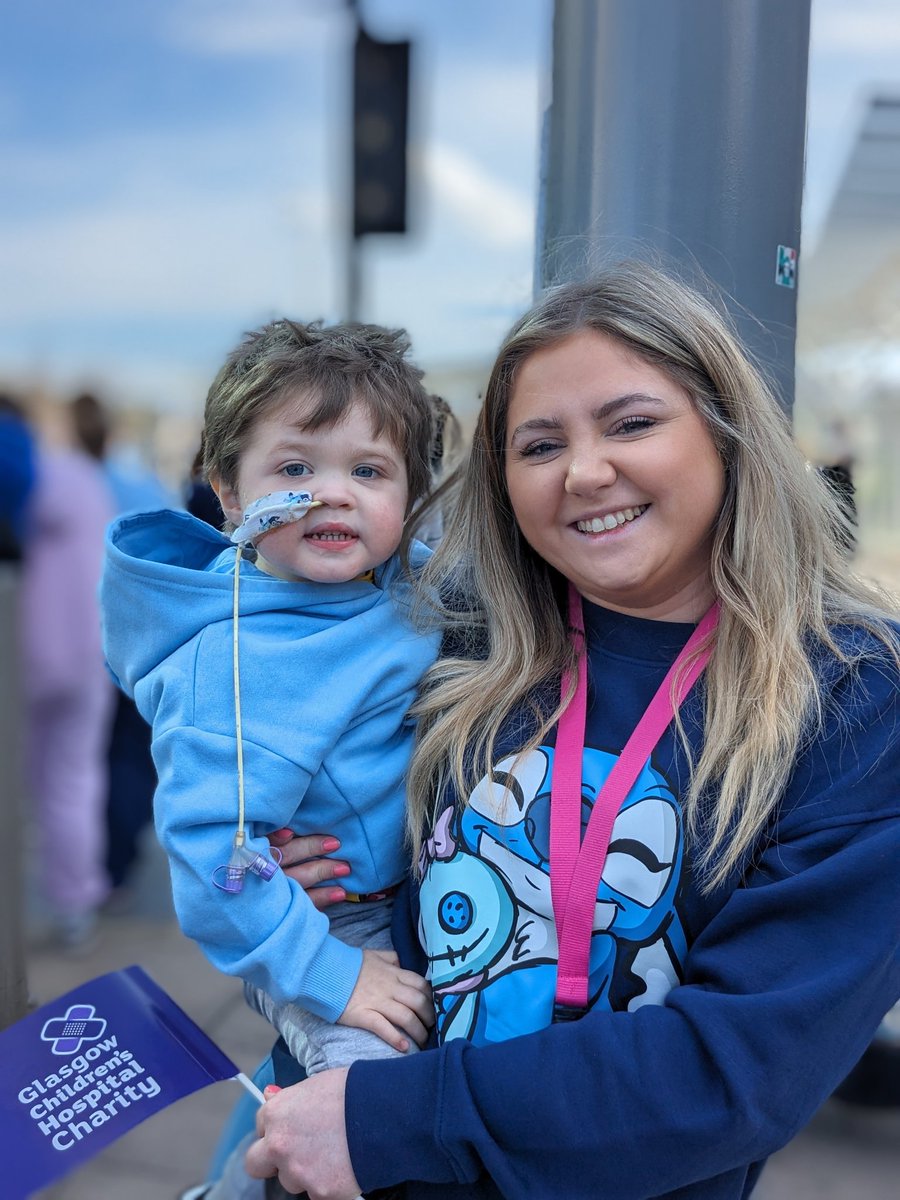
(612, 520)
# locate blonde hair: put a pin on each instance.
(777, 569)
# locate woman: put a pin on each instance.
(728, 935)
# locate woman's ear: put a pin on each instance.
(228, 499)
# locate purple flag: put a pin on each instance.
(81, 1071)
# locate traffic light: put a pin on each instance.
(380, 108)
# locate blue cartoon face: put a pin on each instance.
(471, 911)
(486, 910)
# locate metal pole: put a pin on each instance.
(353, 279)
(676, 131)
(13, 985)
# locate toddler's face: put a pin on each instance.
(359, 478)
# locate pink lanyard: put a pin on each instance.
(576, 866)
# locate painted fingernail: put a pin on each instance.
(337, 894)
(329, 844)
(341, 869)
(271, 1089)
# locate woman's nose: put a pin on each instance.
(588, 471)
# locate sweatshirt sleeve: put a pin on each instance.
(269, 933)
(783, 991)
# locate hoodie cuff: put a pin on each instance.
(392, 1115)
(329, 979)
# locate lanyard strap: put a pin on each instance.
(575, 866)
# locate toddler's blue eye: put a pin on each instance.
(294, 469)
(365, 472)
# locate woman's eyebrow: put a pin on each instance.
(536, 424)
(611, 407)
(601, 413)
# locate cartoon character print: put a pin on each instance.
(486, 914)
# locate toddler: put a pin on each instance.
(277, 667)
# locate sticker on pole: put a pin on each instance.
(786, 267)
(81, 1071)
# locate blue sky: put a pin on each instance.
(172, 175)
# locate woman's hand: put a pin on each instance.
(388, 1001)
(304, 1139)
(302, 859)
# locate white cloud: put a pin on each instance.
(873, 30)
(263, 28)
(495, 111)
(490, 210)
(193, 254)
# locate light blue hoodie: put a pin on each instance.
(328, 672)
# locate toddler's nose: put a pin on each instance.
(333, 493)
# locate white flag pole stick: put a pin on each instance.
(250, 1086)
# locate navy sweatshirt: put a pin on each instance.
(719, 1022)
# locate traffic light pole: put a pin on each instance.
(678, 131)
(379, 136)
(352, 278)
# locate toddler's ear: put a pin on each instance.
(229, 500)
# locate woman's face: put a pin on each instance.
(614, 478)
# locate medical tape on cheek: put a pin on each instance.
(271, 512)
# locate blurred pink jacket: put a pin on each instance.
(71, 505)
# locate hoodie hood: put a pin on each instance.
(168, 575)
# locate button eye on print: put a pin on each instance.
(456, 912)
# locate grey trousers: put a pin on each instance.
(317, 1044)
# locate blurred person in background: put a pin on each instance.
(200, 498)
(131, 775)
(16, 475)
(135, 487)
(67, 692)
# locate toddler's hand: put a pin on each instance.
(388, 1000)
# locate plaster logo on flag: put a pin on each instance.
(72, 1080)
(68, 1033)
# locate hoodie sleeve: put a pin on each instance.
(783, 991)
(269, 933)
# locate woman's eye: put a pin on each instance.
(294, 469)
(633, 425)
(538, 449)
(365, 472)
